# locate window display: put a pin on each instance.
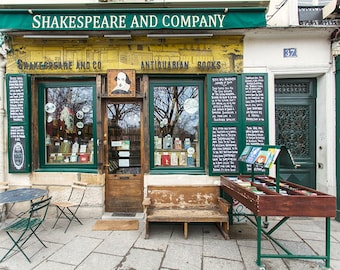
(69, 122)
(176, 125)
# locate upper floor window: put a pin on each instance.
(310, 3)
(312, 13)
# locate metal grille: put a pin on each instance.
(286, 88)
(293, 129)
(310, 13)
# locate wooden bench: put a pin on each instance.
(186, 204)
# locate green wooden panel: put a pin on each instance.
(19, 129)
(237, 116)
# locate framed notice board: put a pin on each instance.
(19, 129)
(237, 116)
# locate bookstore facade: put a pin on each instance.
(128, 98)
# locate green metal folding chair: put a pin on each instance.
(69, 208)
(26, 226)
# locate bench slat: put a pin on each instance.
(187, 216)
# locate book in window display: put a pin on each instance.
(83, 148)
(75, 147)
(174, 159)
(60, 158)
(187, 143)
(165, 159)
(167, 142)
(56, 147)
(158, 142)
(190, 161)
(157, 159)
(52, 157)
(83, 157)
(183, 159)
(73, 157)
(178, 144)
(65, 147)
(90, 145)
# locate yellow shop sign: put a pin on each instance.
(66, 65)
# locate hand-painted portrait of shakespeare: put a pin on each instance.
(121, 82)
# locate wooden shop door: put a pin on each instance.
(122, 156)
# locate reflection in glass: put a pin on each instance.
(124, 138)
(69, 125)
(176, 126)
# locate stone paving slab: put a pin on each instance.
(183, 256)
(75, 251)
(142, 259)
(100, 261)
(205, 249)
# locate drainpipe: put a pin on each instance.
(2, 117)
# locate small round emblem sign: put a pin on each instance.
(18, 155)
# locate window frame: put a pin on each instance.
(65, 167)
(177, 82)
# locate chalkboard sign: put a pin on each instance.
(16, 98)
(237, 116)
(18, 123)
(254, 98)
(224, 149)
(255, 135)
(224, 101)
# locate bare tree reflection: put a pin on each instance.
(169, 108)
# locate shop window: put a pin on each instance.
(176, 122)
(67, 125)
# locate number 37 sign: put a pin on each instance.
(289, 52)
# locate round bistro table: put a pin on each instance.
(16, 196)
(21, 195)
